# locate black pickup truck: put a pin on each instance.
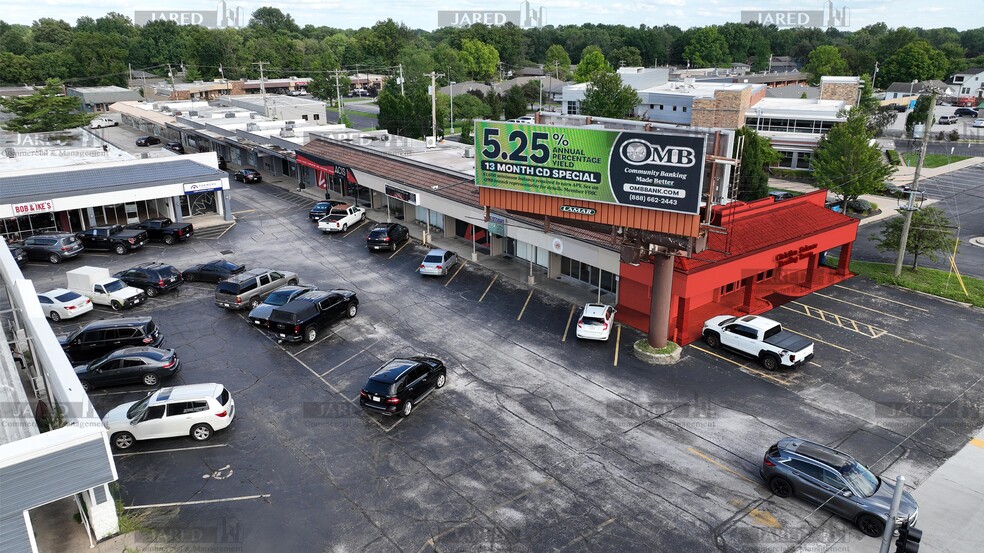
(304, 317)
(112, 238)
(165, 230)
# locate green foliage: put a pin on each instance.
(893, 157)
(515, 103)
(918, 114)
(466, 135)
(846, 164)
(494, 101)
(531, 91)
(272, 21)
(825, 61)
(480, 60)
(929, 235)
(707, 48)
(757, 156)
(915, 61)
(592, 62)
(468, 106)
(408, 115)
(627, 56)
(556, 62)
(44, 111)
(606, 96)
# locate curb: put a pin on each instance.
(656, 358)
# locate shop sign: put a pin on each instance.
(557, 246)
(577, 210)
(789, 257)
(199, 187)
(497, 225)
(648, 170)
(44, 206)
(402, 195)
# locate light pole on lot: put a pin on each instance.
(914, 188)
(452, 102)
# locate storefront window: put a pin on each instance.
(198, 204)
(587, 273)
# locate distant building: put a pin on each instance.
(96, 99)
(969, 82)
(917, 88)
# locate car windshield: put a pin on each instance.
(226, 265)
(320, 207)
(100, 360)
(378, 388)
(279, 297)
(67, 297)
(115, 286)
(137, 409)
(860, 478)
(433, 259)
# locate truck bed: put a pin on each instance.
(788, 341)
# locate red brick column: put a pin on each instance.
(844, 263)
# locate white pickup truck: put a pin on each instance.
(341, 218)
(760, 338)
(96, 284)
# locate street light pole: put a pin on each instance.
(452, 105)
(915, 187)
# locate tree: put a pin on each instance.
(480, 60)
(515, 103)
(606, 96)
(494, 101)
(845, 162)
(707, 48)
(626, 56)
(825, 61)
(557, 62)
(531, 91)
(272, 21)
(468, 106)
(44, 111)
(592, 62)
(756, 158)
(915, 61)
(408, 115)
(918, 114)
(929, 235)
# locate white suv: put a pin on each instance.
(195, 410)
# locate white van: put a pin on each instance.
(100, 122)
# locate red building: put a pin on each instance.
(766, 254)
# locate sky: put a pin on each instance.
(423, 14)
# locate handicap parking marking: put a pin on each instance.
(818, 340)
(852, 304)
(923, 309)
(494, 277)
(832, 318)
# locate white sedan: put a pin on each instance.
(979, 123)
(61, 304)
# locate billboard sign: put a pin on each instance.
(654, 171)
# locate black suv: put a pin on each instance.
(101, 337)
(387, 236)
(55, 247)
(965, 112)
(302, 318)
(402, 383)
(153, 278)
(175, 147)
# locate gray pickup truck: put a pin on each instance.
(248, 289)
(759, 338)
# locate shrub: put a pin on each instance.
(893, 157)
(953, 136)
(859, 206)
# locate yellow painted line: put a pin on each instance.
(873, 331)
(570, 317)
(742, 365)
(720, 465)
(882, 298)
(527, 302)
(618, 340)
(859, 306)
(488, 288)
(352, 229)
(400, 249)
(238, 212)
(818, 340)
(460, 267)
(978, 442)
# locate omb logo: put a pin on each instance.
(637, 151)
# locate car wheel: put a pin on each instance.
(55, 316)
(407, 408)
(363, 218)
(85, 386)
(872, 526)
(441, 381)
(150, 379)
(168, 239)
(201, 432)
(712, 339)
(345, 227)
(254, 303)
(122, 440)
(116, 305)
(393, 247)
(190, 277)
(352, 310)
(780, 486)
(54, 258)
(151, 292)
(770, 362)
(310, 334)
(120, 249)
(292, 282)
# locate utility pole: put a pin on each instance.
(915, 187)
(401, 80)
(170, 75)
(451, 91)
(263, 88)
(874, 76)
(338, 93)
(434, 75)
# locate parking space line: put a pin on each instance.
(351, 230)
(618, 340)
(584, 537)
(819, 340)
(354, 355)
(243, 211)
(460, 267)
(882, 298)
(400, 249)
(197, 502)
(488, 288)
(567, 328)
(977, 442)
(314, 343)
(124, 392)
(527, 302)
(169, 450)
(720, 465)
(743, 366)
(822, 295)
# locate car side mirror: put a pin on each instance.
(846, 493)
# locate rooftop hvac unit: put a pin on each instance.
(252, 127)
(288, 125)
(179, 112)
(469, 153)
(431, 142)
(193, 113)
(229, 115)
(286, 133)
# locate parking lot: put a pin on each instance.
(539, 441)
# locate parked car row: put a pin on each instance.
(55, 247)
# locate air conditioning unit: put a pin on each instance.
(193, 113)
(431, 142)
(252, 127)
(469, 153)
(177, 113)
(287, 133)
(230, 115)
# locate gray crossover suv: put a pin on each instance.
(835, 481)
